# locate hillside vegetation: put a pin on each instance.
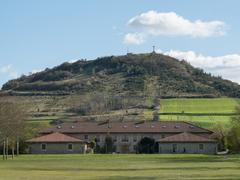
(206, 112)
(140, 75)
(130, 87)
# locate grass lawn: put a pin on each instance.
(206, 112)
(203, 121)
(199, 105)
(120, 167)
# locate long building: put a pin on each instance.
(171, 137)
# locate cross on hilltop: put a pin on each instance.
(154, 49)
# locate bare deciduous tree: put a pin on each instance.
(12, 117)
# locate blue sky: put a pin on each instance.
(39, 34)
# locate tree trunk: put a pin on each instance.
(17, 147)
(12, 151)
(4, 149)
(7, 148)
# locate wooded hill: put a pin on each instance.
(139, 75)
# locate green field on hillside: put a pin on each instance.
(199, 105)
(121, 167)
(206, 112)
(204, 121)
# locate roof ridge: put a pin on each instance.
(173, 138)
(197, 126)
(131, 126)
(51, 138)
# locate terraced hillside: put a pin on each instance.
(129, 75)
(206, 112)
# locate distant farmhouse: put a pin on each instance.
(126, 137)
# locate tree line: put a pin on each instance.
(12, 117)
(229, 137)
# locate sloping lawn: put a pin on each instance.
(205, 112)
(121, 167)
(200, 105)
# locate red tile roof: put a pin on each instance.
(54, 137)
(185, 137)
(127, 127)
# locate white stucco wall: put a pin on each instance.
(191, 148)
(56, 148)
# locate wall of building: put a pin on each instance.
(191, 148)
(56, 148)
(124, 143)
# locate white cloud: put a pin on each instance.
(199, 60)
(227, 73)
(73, 61)
(134, 38)
(171, 24)
(9, 71)
(227, 66)
(35, 71)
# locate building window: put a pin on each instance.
(114, 138)
(70, 147)
(135, 139)
(135, 147)
(86, 137)
(44, 147)
(125, 139)
(201, 147)
(174, 146)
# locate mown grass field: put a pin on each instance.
(121, 167)
(206, 112)
(204, 121)
(200, 105)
